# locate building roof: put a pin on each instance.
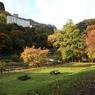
(19, 17)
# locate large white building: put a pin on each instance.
(19, 21)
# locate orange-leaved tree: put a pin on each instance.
(90, 42)
(32, 56)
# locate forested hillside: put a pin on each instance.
(83, 24)
(14, 38)
(69, 43)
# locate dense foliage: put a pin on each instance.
(84, 24)
(73, 44)
(68, 40)
(3, 16)
(14, 38)
(90, 41)
(33, 56)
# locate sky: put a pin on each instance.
(55, 12)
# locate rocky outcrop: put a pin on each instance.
(2, 7)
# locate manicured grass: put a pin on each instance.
(74, 78)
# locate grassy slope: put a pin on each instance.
(75, 79)
(82, 83)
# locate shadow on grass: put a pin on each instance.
(82, 83)
(76, 64)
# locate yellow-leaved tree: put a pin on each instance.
(32, 56)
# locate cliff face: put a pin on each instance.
(2, 7)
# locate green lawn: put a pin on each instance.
(74, 78)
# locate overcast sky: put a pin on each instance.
(52, 11)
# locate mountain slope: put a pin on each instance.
(83, 24)
(34, 23)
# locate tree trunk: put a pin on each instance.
(1, 70)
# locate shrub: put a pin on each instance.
(34, 56)
(15, 57)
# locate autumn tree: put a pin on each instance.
(90, 42)
(33, 56)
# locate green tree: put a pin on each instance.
(71, 42)
(2, 18)
(68, 40)
(5, 43)
(56, 39)
(18, 39)
(85, 23)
